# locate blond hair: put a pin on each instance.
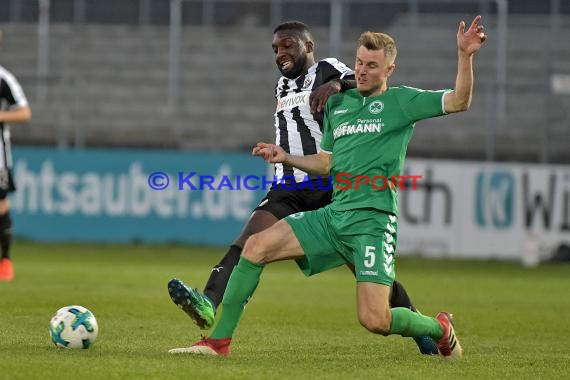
(379, 41)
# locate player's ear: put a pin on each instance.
(310, 46)
(390, 69)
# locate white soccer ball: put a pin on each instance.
(73, 327)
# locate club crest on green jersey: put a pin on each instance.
(376, 107)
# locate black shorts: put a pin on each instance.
(281, 202)
(6, 182)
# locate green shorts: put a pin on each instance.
(365, 238)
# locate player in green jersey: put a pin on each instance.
(365, 138)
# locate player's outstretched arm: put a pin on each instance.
(16, 115)
(317, 164)
(468, 43)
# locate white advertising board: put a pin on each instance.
(484, 210)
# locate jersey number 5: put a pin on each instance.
(369, 256)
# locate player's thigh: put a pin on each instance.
(259, 220)
(279, 203)
(7, 185)
(4, 204)
(317, 234)
(278, 242)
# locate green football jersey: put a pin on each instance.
(368, 138)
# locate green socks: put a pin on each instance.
(409, 324)
(242, 284)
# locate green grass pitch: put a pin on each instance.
(513, 322)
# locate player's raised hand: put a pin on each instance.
(271, 153)
(320, 95)
(471, 40)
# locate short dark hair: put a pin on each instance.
(297, 26)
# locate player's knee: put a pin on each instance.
(377, 323)
(241, 240)
(254, 249)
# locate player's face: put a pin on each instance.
(291, 53)
(372, 71)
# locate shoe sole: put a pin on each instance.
(196, 350)
(183, 299)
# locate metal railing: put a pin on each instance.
(205, 12)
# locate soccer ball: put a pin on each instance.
(73, 327)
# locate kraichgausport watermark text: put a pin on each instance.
(340, 181)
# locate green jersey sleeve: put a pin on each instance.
(327, 140)
(420, 104)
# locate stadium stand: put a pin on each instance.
(108, 86)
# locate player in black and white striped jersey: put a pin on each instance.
(301, 94)
(298, 129)
(14, 108)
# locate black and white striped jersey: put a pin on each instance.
(11, 95)
(298, 131)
